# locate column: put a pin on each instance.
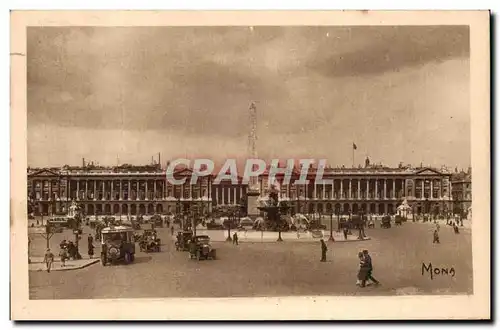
(359, 189)
(422, 196)
(50, 189)
(146, 190)
(77, 189)
(217, 194)
(368, 189)
(95, 190)
(112, 188)
(121, 191)
(341, 188)
(441, 188)
(393, 188)
(413, 187)
(129, 187)
(333, 191)
(314, 191)
(191, 192)
(376, 188)
(154, 189)
(235, 201)
(385, 189)
(350, 187)
(432, 189)
(86, 189)
(103, 189)
(164, 190)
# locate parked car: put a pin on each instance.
(183, 238)
(149, 241)
(386, 222)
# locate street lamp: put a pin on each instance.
(331, 239)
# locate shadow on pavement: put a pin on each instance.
(142, 259)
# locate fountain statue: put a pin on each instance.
(274, 209)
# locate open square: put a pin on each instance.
(281, 269)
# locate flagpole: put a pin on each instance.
(353, 155)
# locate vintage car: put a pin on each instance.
(149, 241)
(200, 248)
(183, 239)
(398, 220)
(136, 225)
(117, 245)
(386, 222)
(157, 221)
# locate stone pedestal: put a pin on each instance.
(252, 204)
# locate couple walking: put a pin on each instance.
(365, 269)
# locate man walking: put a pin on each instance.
(235, 238)
(436, 237)
(324, 248)
(48, 260)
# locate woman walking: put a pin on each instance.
(362, 272)
(91, 251)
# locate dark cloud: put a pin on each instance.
(391, 48)
(199, 81)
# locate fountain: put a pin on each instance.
(274, 209)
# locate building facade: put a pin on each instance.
(138, 190)
(461, 183)
(376, 190)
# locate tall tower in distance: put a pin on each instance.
(253, 191)
(252, 138)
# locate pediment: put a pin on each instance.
(428, 171)
(44, 172)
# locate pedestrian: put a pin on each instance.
(455, 228)
(436, 237)
(362, 272)
(90, 239)
(437, 227)
(64, 255)
(48, 260)
(235, 238)
(369, 265)
(324, 248)
(345, 230)
(91, 251)
(172, 230)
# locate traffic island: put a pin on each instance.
(37, 264)
(253, 236)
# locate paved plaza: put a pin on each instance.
(263, 269)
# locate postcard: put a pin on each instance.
(241, 165)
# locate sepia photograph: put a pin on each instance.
(252, 159)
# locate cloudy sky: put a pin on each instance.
(399, 93)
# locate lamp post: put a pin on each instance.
(331, 239)
(338, 220)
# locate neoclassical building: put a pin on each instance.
(114, 191)
(137, 190)
(376, 190)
